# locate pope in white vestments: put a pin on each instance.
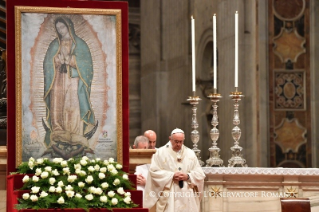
(175, 180)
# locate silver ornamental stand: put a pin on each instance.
(236, 158)
(214, 159)
(194, 100)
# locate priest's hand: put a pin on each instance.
(180, 176)
(141, 180)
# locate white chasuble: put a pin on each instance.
(162, 193)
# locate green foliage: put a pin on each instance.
(76, 183)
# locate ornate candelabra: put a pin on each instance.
(214, 159)
(236, 158)
(194, 100)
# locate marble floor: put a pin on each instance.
(3, 198)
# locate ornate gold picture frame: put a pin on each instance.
(68, 83)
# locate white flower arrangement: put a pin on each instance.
(74, 183)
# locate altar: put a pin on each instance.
(257, 189)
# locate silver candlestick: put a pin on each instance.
(214, 159)
(194, 100)
(236, 158)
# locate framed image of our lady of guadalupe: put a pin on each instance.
(68, 83)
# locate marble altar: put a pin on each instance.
(257, 189)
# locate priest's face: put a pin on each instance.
(151, 135)
(177, 140)
(142, 145)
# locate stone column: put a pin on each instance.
(165, 67)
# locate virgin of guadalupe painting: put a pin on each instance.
(68, 73)
(69, 86)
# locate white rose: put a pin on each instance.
(114, 201)
(48, 168)
(55, 172)
(103, 169)
(66, 170)
(83, 162)
(25, 196)
(44, 174)
(35, 179)
(110, 167)
(52, 180)
(125, 176)
(39, 161)
(114, 172)
(111, 193)
(116, 182)
(97, 167)
(52, 189)
(60, 184)
(60, 200)
(89, 197)
(34, 198)
(91, 169)
(82, 173)
(69, 188)
(111, 160)
(57, 160)
(98, 191)
(127, 194)
(69, 193)
(89, 179)
(72, 178)
(78, 195)
(118, 166)
(120, 190)
(81, 184)
(38, 171)
(58, 190)
(105, 185)
(106, 162)
(71, 159)
(35, 189)
(31, 159)
(103, 198)
(31, 164)
(97, 159)
(77, 166)
(64, 163)
(127, 200)
(43, 194)
(85, 158)
(92, 161)
(26, 179)
(92, 189)
(101, 176)
(77, 171)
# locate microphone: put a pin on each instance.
(181, 182)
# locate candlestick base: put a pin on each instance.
(197, 153)
(236, 158)
(214, 159)
(194, 100)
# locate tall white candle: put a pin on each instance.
(215, 51)
(193, 54)
(236, 49)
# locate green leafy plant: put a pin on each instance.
(74, 183)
